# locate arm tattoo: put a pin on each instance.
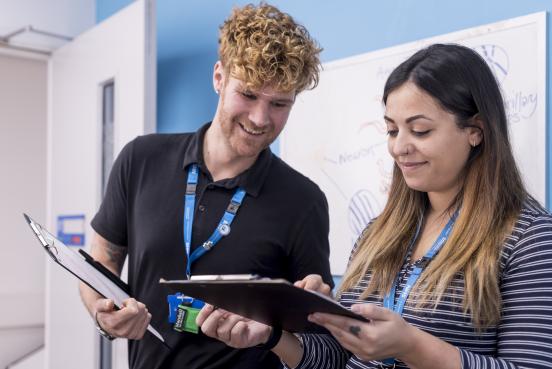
(117, 254)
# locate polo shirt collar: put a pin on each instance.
(194, 150)
(251, 180)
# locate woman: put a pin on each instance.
(457, 270)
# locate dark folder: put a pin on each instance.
(275, 302)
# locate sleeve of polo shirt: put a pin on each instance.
(310, 250)
(525, 328)
(110, 221)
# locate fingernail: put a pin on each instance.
(355, 309)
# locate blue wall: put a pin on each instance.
(185, 95)
(104, 8)
(187, 40)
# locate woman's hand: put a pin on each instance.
(314, 282)
(232, 329)
(386, 335)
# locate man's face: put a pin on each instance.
(250, 120)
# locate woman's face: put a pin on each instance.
(425, 141)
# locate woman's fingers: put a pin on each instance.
(372, 311)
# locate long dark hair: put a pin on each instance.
(490, 199)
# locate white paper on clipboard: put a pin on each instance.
(85, 268)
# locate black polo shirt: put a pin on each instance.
(280, 231)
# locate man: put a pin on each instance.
(279, 229)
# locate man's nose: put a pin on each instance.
(260, 114)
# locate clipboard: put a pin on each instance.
(275, 302)
(84, 267)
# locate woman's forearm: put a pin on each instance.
(289, 349)
(430, 352)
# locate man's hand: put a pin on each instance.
(131, 321)
(314, 282)
(234, 330)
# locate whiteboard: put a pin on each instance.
(336, 135)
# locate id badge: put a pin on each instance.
(186, 319)
(174, 301)
(183, 311)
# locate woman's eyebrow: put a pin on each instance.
(409, 119)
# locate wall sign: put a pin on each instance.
(71, 229)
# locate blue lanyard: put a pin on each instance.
(223, 228)
(388, 300)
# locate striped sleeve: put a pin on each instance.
(322, 351)
(525, 329)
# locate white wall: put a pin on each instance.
(23, 119)
(22, 189)
(77, 72)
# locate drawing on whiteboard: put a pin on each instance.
(363, 207)
(377, 124)
(497, 58)
(332, 181)
(386, 174)
(520, 105)
(361, 150)
(339, 140)
(366, 152)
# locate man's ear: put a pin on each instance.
(475, 130)
(218, 77)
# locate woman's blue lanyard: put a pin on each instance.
(388, 300)
(223, 228)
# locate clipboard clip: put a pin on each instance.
(52, 251)
(226, 277)
(37, 229)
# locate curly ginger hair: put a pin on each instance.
(260, 45)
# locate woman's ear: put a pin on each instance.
(475, 131)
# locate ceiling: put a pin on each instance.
(44, 25)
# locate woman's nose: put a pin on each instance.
(400, 145)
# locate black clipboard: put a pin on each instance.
(106, 272)
(275, 302)
(84, 267)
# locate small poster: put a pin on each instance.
(71, 229)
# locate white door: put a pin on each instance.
(119, 52)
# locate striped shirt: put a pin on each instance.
(521, 339)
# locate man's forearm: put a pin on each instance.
(88, 297)
(110, 256)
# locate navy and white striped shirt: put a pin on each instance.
(521, 339)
